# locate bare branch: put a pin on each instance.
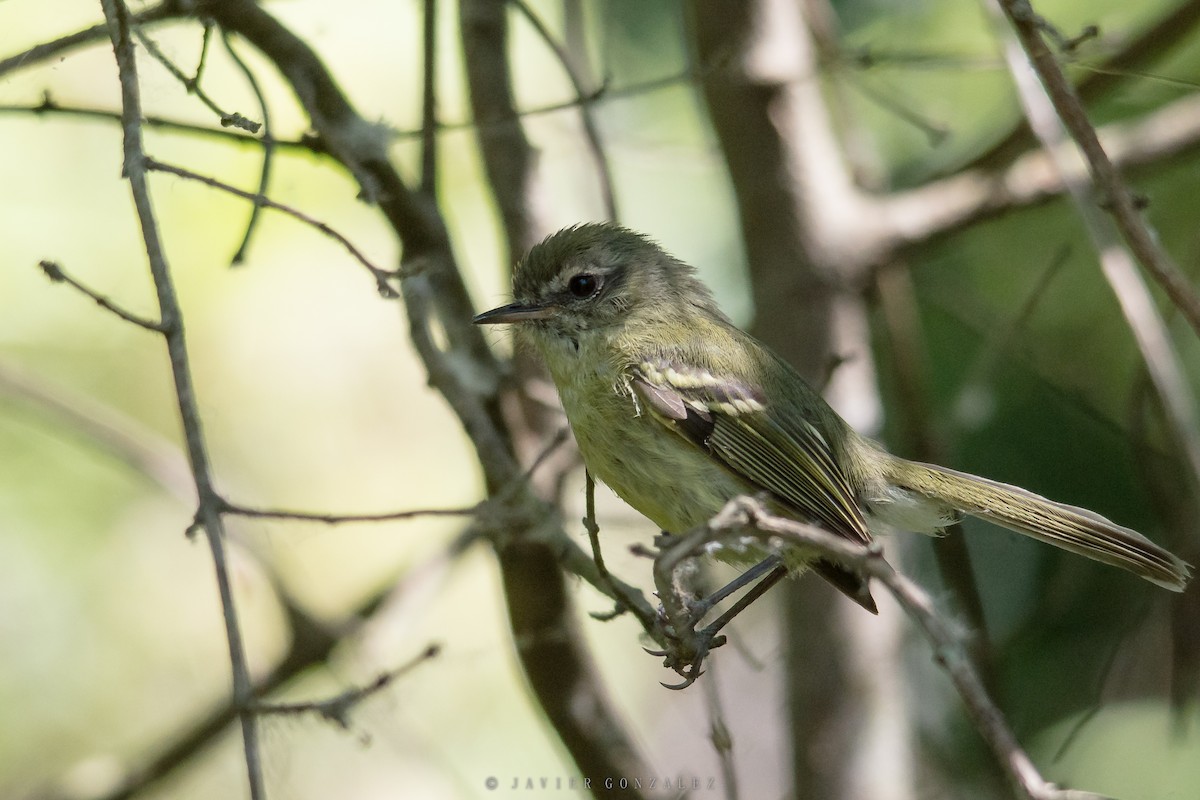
(117, 17)
(56, 274)
(1151, 45)
(381, 276)
(49, 106)
(48, 50)
(312, 144)
(627, 598)
(1131, 292)
(337, 519)
(337, 709)
(267, 139)
(477, 509)
(590, 131)
(1117, 199)
(192, 85)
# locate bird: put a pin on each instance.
(678, 411)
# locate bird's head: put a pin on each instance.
(599, 277)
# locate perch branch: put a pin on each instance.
(746, 518)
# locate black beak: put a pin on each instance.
(513, 312)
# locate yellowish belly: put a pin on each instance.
(651, 468)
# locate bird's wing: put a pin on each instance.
(773, 448)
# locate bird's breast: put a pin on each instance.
(651, 468)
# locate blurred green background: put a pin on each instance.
(110, 626)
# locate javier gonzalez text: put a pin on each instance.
(521, 783)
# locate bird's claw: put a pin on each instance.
(689, 678)
(686, 654)
(684, 648)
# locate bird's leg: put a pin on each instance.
(689, 647)
(700, 608)
(775, 571)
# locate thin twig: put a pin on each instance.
(893, 100)
(52, 107)
(205, 41)
(56, 274)
(1117, 199)
(312, 642)
(626, 600)
(267, 139)
(1003, 336)
(1149, 46)
(313, 145)
(48, 50)
(590, 131)
(1129, 289)
(337, 519)
(192, 85)
(117, 16)
(337, 709)
(561, 437)
(719, 736)
(382, 276)
(593, 531)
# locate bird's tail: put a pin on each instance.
(1071, 528)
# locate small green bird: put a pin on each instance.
(678, 411)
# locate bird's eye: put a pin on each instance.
(583, 285)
